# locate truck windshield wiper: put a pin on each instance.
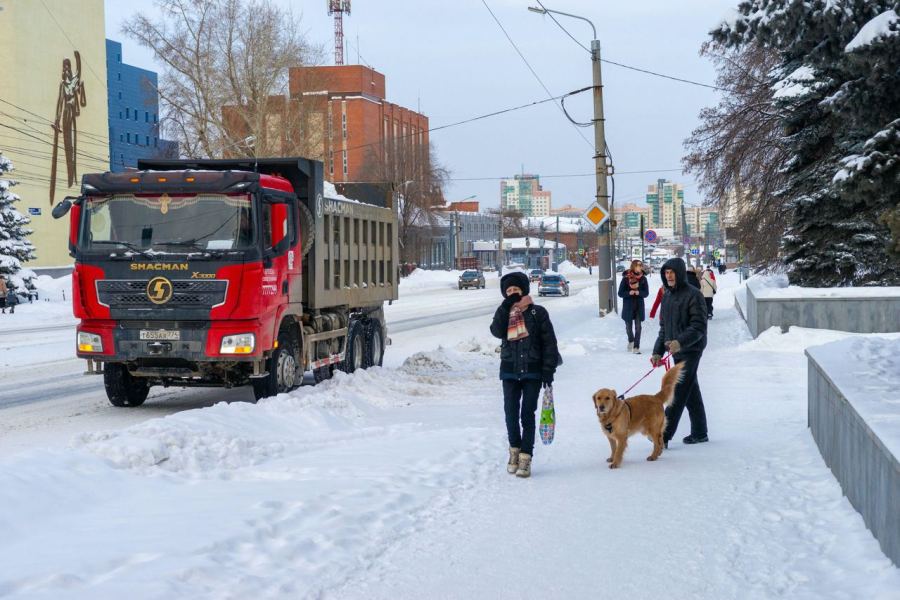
(129, 245)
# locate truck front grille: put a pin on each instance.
(187, 293)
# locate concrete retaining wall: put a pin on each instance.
(859, 315)
(867, 471)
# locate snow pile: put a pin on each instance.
(776, 286)
(568, 268)
(882, 26)
(330, 191)
(866, 369)
(798, 339)
(421, 279)
(801, 81)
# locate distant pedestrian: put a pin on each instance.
(708, 288)
(528, 360)
(693, 276)
(11, 300)
(3, 291)
(721, 267)
(682, 331)
(656, 303)
(633, 289)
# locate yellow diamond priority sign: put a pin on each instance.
(596, 215)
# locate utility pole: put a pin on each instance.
(500, 246)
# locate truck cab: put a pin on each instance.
(225, 273)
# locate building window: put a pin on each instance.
(344, 125)
(147, 140)
(155, 143)
(154, 117)
(120, 114)
(129, 137)
(121, 138)
(120, 95)
(127, 110)
(118, 58)
(135, 114)
(146, 117)
(119, 76)
(345, 162)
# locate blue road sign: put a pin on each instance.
(650, 235)
(695, 250)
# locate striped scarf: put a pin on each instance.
(516, 329)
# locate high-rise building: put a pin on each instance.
(133, 113)
(629, 217)
(664, 199)
(524, 193)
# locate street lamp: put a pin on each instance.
(605, 282)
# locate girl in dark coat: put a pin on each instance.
(528, 360)
(633, 289)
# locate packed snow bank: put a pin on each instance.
(569, 269)
(866, 370)
(776, 286)
(423, 278)
(52, 308)
(798, 339)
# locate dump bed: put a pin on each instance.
(353, 258)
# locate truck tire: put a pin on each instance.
(307, 229)
(122, 388)
(323, 373)
(355, 354)
(282, 368)
(374, 343)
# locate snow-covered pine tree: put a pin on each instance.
(15, 248)
(838, 90)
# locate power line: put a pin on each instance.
(533, 72)
(49, 122)
(66, 35)
(558, 24)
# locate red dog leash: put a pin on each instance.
(664, 361)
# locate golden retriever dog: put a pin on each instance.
(620, 419)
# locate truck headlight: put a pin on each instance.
(89, 342)
(242, 343)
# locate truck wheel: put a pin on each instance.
(323, 373)
(122, 388)
(282, 368)
(354, 356)
(374, 344)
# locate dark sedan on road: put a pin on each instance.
(473, 279)
(553, 285)
(535, 275)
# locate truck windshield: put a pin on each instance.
(171, 223)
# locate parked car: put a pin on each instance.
(471, 279)
(553, 285)
(535, 274)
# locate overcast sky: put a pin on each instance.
(452, 60)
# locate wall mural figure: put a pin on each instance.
(68, 108)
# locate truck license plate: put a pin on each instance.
(160, 334)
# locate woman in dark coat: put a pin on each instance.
(633, 289)
(528, 360)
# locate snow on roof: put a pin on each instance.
(566, 224)
(876, 28)
(331, 193)
(518, 244)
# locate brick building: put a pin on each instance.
(360, 125)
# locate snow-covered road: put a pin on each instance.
(391, 484)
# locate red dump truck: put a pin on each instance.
(226, 273)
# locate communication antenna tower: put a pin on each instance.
(338, 8)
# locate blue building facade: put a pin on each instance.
(133, 113)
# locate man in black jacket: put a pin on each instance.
(528, 360)
(682, 330)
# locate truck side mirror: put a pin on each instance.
(62, 209)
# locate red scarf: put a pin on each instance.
(516, 329)
(634, 279)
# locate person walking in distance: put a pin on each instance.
(11, 300)
(3, 290)
(708, 289)
(528, 360)
(633, 289)
(682, 331)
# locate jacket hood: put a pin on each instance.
(677, 265)
(516, 278)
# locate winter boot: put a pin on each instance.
(524, 469)
(513, 463)
(695, 439)
(636, 350)
(630, 346)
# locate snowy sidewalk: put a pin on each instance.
(391, 484)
